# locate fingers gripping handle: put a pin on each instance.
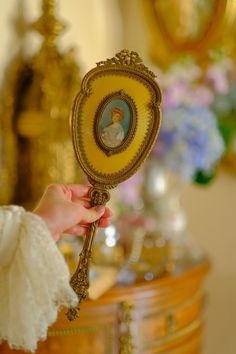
(80, 279)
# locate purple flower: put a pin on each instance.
(129, 190)
(217, 74)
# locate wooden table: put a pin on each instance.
(165, 315)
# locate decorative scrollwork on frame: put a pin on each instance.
(129, 58)
(99, 196)
(80, 283)
(82, 270)
(152, 105)
(80, 279)
(87, 91)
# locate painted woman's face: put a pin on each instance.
(116, 117)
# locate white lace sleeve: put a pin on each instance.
(34, 279)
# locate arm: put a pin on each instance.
(34, 278)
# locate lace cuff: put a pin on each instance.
(34, 279)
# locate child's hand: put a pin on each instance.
(66, 208)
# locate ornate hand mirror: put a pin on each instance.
(115, 122)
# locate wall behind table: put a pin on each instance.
(211, 215)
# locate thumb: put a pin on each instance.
(94, 213)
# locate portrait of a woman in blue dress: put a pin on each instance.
(115, 123)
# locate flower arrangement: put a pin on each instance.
(190, 142)
(198, 122)
(222, 77)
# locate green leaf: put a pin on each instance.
(203, 178)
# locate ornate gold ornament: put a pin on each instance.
(115, 122)
(187, 27)
(126, 337)
(38, 103)
(8, 107)
(8, 145)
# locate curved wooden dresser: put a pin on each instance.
(165, 315)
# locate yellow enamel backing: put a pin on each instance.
(101, 87)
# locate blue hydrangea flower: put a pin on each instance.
(189, 141)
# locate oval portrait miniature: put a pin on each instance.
(115, 123)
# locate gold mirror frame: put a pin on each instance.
(165, 44)
(118, 98)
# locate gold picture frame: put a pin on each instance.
(190, 27)
(115, 122)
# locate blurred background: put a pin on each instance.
(47, 47)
